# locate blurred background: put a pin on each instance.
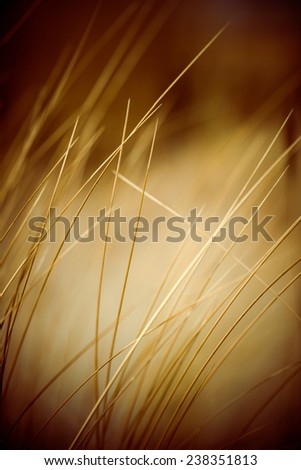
(63, 59)
(257, 58)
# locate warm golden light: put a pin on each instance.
(154, 109)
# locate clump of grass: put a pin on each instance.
(152, 345)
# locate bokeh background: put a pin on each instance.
(63, 59)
